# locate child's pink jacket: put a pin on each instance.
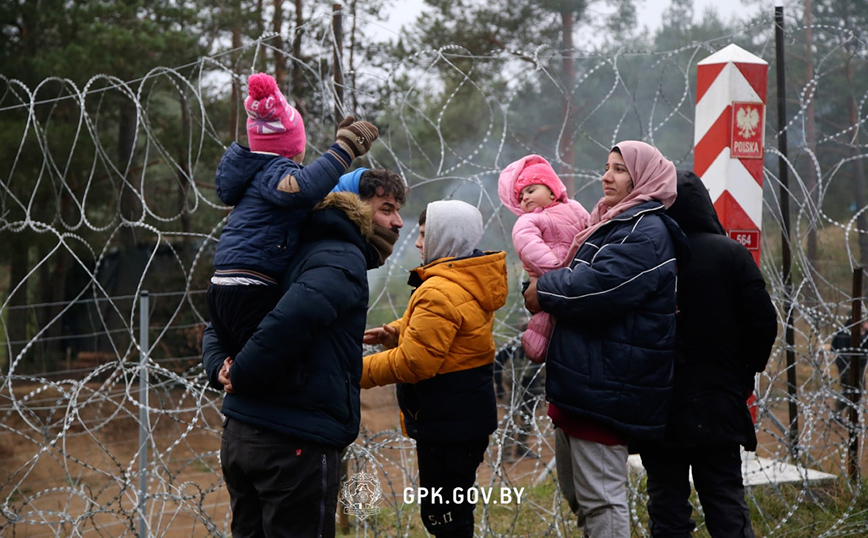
(542, 239)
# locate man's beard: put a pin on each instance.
(383, 240)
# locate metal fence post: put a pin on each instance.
(854, 391)
(786, 235)
(144, 426)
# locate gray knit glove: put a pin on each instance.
(356, 137)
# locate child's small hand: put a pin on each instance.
(223, 376)
(386, 335)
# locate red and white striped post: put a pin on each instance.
(728, 143)
(728, 139)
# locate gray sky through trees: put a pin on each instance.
(650, 11)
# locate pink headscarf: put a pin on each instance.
(654, 178)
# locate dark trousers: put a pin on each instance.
(236, 312)
(450, 466)
(278, 486)
(842, 362)
(717, 479)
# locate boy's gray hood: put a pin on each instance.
(453, 229)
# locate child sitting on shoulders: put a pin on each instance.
(272, 193)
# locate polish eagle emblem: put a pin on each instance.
(747, 121)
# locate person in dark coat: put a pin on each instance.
(844, 353)
(292, 401)
(726, 326)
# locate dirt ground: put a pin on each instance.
(72, 469)
(63, 476)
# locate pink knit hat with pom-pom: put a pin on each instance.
(273, 125)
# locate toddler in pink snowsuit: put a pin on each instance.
(547, 223)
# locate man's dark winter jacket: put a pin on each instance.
(726, 328)
(299, 373)
(611, 354)
(263, 228)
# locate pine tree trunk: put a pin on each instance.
(279, 56)
(565, 149)
(17, 318)
(130, 204)
(858, 179)
(236, 84)
(811, 135)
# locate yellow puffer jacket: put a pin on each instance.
(445, 347)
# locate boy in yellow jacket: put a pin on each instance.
(441, 356)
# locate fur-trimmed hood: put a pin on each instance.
(358, 212)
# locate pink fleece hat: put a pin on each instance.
(273, 125)
(540, 173)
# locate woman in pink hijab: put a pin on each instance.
(610, 359)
